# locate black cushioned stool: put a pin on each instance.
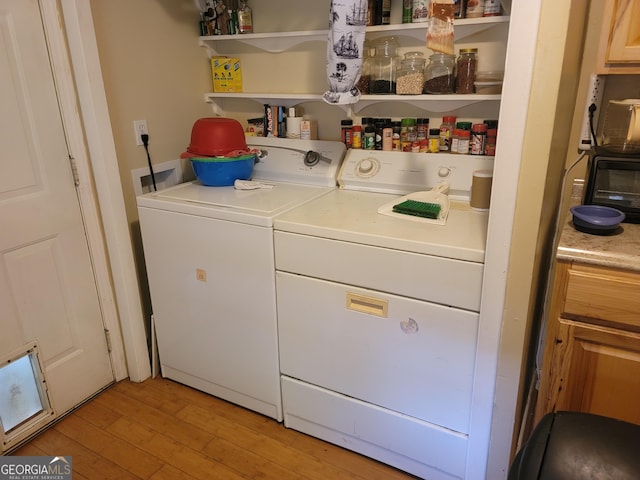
(579, 446)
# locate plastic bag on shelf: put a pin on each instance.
(440, 26)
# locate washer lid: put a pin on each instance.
(256, 207)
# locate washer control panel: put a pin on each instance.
(405, 172)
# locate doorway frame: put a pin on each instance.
(70, 35)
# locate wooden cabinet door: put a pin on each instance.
(620, 37)
(600, 371)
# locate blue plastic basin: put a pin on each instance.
(596, 218)
(223, 171)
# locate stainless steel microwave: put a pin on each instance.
(614, 181)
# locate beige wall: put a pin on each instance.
(154, 70)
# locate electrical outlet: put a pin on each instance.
(140, 127)
(594, 97)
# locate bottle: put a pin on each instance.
(383, 66)
(490, 145)
(478, 138)
(446, 127)
(420, 11)
(458, 8)
(245, 17)
(412, 132)
(440, 74)
(407, 11)
(386, 12)
(422, 128)
(455, 135)
(369, 137)
(346, 132)
(475, 9)
(356, 141)
(410, 75)
(492, 8)
(371, 5)
(377, 12)
(387, 138)
(464, 136)
(404, 124)
(466, 70)
(434, 140)
(397, 146)
(378, 124)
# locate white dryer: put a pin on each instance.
(378, 315)
(210, 265)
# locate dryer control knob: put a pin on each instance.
(366, 166)
(444, 172)
(311, 158)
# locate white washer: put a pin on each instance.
(378, 315)
(210, 266)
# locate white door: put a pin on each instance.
(48, 297)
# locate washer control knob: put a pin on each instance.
(444, 172)
(311, 158)
(366, 166)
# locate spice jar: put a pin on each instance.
(492, 8)
(369, 137)
(464, 137)
(346, 132)
(478, 138)
(434, 140)
(420, 11)
(422, 128)
(475, 9)
(466, 70)
(383, 66)
(446, 129)
(356, 141)
(440, 74)
(490, 145)
(410, 75)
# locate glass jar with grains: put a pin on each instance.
(440, 74)
(383, 66)
(410, 76)
(466, 70)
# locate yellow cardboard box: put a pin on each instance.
(227, 74)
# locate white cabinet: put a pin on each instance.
(411, 35)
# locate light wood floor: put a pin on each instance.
(160, 429)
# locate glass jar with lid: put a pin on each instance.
(466, 70)
(383, 66)
(410, 75)
(364, 82)
(440, 74)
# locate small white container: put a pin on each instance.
(488, 88)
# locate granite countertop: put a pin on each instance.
(620, 250)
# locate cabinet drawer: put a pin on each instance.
(603, 294)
